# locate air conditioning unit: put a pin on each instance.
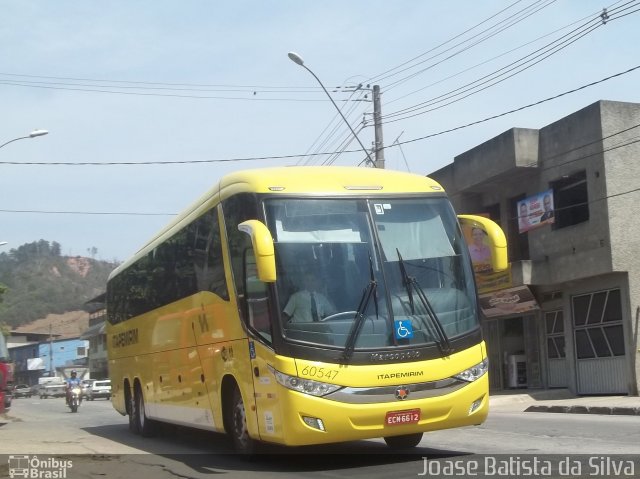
(516, 371)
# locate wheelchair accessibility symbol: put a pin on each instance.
(403, 329)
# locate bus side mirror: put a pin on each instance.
(262, 242)
(495, 237)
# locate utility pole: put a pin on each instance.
(377, 124)
(50, 350)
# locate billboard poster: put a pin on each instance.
(535, 211)
(35, 364)
(479, 250)
(480, 253)
(508, 302)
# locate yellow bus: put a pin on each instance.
(304, 305)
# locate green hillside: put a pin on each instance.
(39, 281)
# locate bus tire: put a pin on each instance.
(405, 441)
(131, 409)
(146, 426)
(237, 421)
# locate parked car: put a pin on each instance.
(22, 390)
(99, 389)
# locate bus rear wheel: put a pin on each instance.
(145, 426)
(132, 409)
(405, 441)
(237, 421)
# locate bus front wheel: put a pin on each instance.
(406, 441)
(237, 420)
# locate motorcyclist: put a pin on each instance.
(72, 382)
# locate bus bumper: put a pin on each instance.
(308, 420)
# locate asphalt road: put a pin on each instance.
(98, 442)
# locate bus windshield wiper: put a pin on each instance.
(358, 320)
(411, 284)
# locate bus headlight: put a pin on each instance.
(474, 372)
(306, 386)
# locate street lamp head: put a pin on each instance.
(296, 58)
(35, 133)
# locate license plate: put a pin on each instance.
(400, 418)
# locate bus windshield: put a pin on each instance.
(371, 273)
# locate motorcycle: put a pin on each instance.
(75, 398)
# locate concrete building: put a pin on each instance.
(580, 262)
(35, 356)
(98, 361)
(24, 352)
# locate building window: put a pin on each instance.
(518, 244)
(554, 324)
(597, 319)
(82, 351)
(571, 200)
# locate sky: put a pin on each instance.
(209, 84)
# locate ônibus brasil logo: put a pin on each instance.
(32, 467)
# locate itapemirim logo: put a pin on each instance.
(32, 467)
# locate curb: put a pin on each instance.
(603, 410)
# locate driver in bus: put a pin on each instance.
(309, 304)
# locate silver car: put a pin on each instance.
(22, 390)
(99, 389)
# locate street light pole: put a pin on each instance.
(298, 59)
(33, 134)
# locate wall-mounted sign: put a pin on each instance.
(508, 302)
(535, 211)
(35, 364)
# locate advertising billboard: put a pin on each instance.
(486, 278)
(536, 211)
(508, 302)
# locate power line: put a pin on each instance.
(605, 150)
(122, 213)
(333, 136)
(600, 17)
(530, 105)
(181, 89)
(284, 157)
(476, 86)
(494, 78)
(388, 102)
(385, 75)
(460, 51)
(144, 83)
(347, 140)
(599, 140)
(114, 213)
(166, 95)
